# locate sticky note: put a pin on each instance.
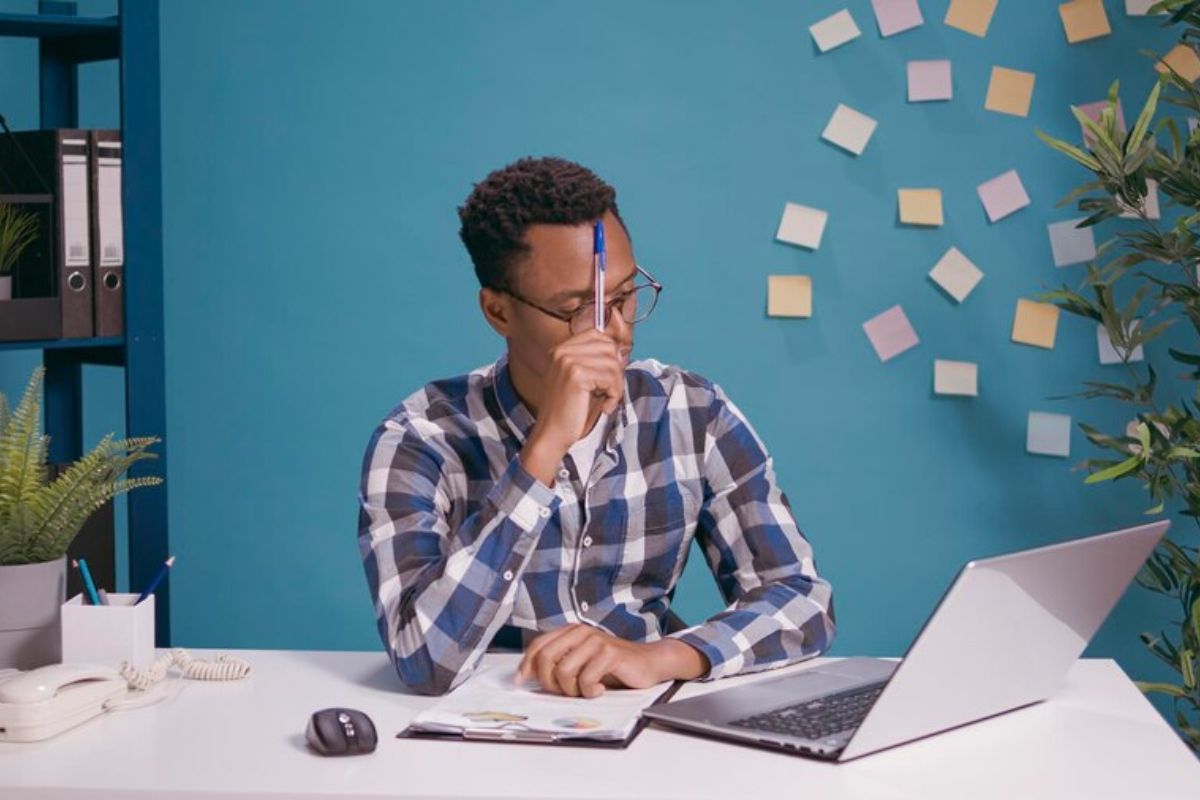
(1092, 111)
(1183, 59)
(897, 16)
(929, 80)
(1048, 434)
(1071, 245)
(955, 377)
(890, 333)
(1035, 324)
(1109, 354)
(849, 129)
(972, 16)
(1140, 8)
(834, 31)
(1010, 91)
(921, 206)
(1193, 122)
(1149, 203)
(1084, 19)
(789, 296)
(955, 273)
(1002, 195)
(802, 226)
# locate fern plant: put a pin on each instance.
(18, 230)
(40, 518)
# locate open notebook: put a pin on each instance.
(492, 706)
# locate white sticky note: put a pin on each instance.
(956, 377)
(834, 31)
(1003, 195)
(955, 273)
(1109, 353)
(1140, 8)
(1071, 245)
(1192, 123)
(849, 129)
(897, 16)
(890, 333)
(1049, 434)
(929, 80)
(1150, 204)
(802, 225)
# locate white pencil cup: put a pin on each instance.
(119, 631)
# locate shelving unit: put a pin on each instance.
(132, 38)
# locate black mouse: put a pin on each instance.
(340, 732)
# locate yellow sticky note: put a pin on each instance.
(1035, 324)
(1084, 19)
(789, 296)
(1182, 59)
(972, 16)
(1010, 91)
(921, 206)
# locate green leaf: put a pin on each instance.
(1164, 688)
(1143, 121)
(1115, 471)
(1158, 509)
(1070, 150)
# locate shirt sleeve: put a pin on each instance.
(779, 610)
(441, 592)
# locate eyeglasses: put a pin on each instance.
(635, 305)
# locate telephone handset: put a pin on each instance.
(46, 701)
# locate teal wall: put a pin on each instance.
(314, 155)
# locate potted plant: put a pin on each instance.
(1142, 281)
(40, 518)
(18, 230)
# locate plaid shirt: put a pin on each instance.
(458, 539)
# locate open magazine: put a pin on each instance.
(492, 705)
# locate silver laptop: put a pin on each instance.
(1002, 637)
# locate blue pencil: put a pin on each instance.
(158, 578)
(93, 598)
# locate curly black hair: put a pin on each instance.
(526, 192)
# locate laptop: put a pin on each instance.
(1002, 637)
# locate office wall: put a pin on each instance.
(315, 153)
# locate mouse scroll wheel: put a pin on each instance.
(343, 717)
(347, 723)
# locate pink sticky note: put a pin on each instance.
(1003, 195)
(890, 333)
(1092, 111)
(895, 16)
(929, 80)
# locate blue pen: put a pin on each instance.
(93, 598)
(158, 578)
(600, 261)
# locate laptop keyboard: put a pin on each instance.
(817, 718)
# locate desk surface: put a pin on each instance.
(1097, 738)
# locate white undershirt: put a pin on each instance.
(583, 452)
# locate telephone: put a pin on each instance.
(44, 702)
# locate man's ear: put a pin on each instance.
(497, 310)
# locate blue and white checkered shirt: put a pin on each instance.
(458, 539)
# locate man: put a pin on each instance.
(552, 496)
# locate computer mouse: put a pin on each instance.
(340, 732)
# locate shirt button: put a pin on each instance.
(587, 541)
(564, 473)
(508, 574)
(583, 606)
(544, 512)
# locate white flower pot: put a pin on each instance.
(31, 598)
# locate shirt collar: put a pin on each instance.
(520, 420)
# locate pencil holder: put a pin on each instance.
(119, 631)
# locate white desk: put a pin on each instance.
(1098, 738)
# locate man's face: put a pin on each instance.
(558, 273)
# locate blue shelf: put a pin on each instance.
(56, 26)
(64, 344)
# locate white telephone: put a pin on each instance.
(44, 702)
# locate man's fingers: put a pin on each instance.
(550, 654)
(592, 675)
(525, 669)
(566, 671)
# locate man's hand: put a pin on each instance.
(580, 661)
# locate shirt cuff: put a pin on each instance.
(523, 498)
(718, 644)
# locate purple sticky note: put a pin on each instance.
(895, 16)
(1092, 111)
(1003, 195)
(890, 333)
(929, 80)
